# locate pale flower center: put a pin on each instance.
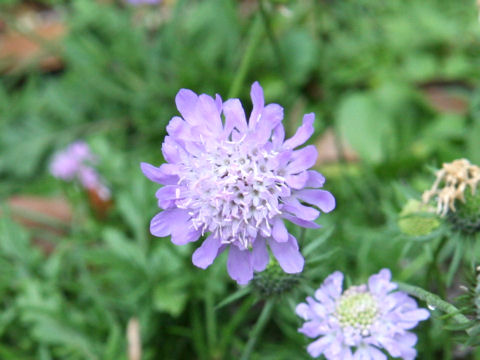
(233, 191)
(358, 309)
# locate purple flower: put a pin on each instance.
(237, 181)
(358, 322)
(76, 163)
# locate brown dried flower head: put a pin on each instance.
(455, 177)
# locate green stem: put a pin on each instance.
(210, 318)
(257, 329)
(302, 234)
(455, 262)
(233, 297)
(229, 329)
(433, 272)
(253, 41)
(197, 331)
(271, 36)
(447, 349)
(472, 241)
(415, 266)
(435, 301)
(438, 303)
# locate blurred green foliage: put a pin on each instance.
(366, 68)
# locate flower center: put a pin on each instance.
(357, 308)
(233, 190)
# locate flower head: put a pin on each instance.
(236, 181)
(358, 322)
(456, 176)
(76, 163)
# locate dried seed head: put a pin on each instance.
(456, 177)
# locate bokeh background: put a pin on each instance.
(395, 89)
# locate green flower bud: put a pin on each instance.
(417, 219)
(273, 281)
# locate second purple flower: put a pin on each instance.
(237, 181)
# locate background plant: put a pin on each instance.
(397, 81)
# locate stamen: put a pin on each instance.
(357, 309)
(241, 189)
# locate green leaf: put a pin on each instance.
(364, 126)
(233, 297)
(170, 298)
(114, 344)
(124, 249)
(299, 50)
(456, 260)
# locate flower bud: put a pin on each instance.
(417, 219)
(273, 281)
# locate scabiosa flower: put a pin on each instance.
(76, 163)
(358, 322)
(237, 181)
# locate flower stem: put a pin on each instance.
(433, 272)
(198, 334)
(228, 330)
(271, 37)
(257, 329)
(253, 41)
(210, 318)
(435, 301)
